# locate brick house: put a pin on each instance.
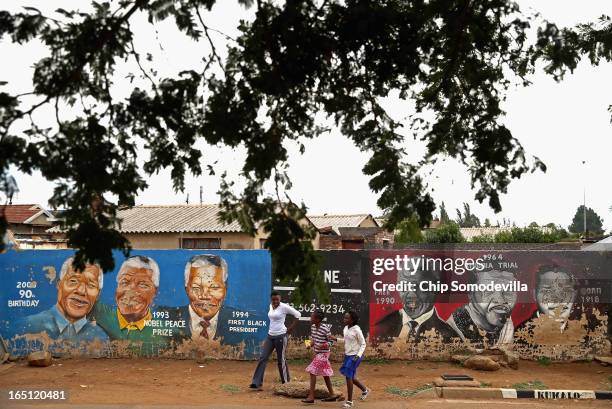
(354, 231)
(28, 225)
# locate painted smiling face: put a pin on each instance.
(135, 292)
(494, 306)
(77, 292)
(206, 290)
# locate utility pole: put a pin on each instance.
(584, 202)
(584, 211)
(201, 190)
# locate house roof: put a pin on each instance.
(175, 219)
(335, 221)
(171, 219)
(185, 218)
(601, 245)
(434, 224)
(24, 213)
(380, 220)
(358, 232)
(470, 232)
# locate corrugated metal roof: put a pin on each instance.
(171, 219)
(601, 245)
(470, 232)
(175, 219)
(335, 221)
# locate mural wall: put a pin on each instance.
(346, 274)
(419, 304)
(412, 303)
(539, 303)
(155, 303)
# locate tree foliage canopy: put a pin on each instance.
(447, 233)
(293, 62)
(444, 218)
(467, 218)
(594, 223)
(530, 234)
(409, 231)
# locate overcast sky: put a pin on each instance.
(561, 123)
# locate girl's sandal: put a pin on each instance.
(309, 401)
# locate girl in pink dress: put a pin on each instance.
(320, 366)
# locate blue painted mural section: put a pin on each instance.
(161, 302)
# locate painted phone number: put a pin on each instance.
(37, 395)
(326, 308)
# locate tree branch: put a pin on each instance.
(137, 58)
(135, 7)
(210, 41)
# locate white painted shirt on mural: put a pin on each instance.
(196, 328)
(419, 320)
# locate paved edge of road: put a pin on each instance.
(501, 393)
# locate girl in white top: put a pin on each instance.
(278, 335)
(354, 347)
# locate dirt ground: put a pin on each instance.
(186, 382)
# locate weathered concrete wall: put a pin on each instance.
(541, 303)
(413, 304)
(173, 240)
(234, 241)
(178, 303)
(330, 242)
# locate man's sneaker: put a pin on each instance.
(348, 404)
(253, 386)
(364, 394)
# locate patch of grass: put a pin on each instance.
(544, 361)
(298, 361)
(378, 361)
(406, 393)
(530, 385)
(485, 385)
(338, 381)
(230, 388)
